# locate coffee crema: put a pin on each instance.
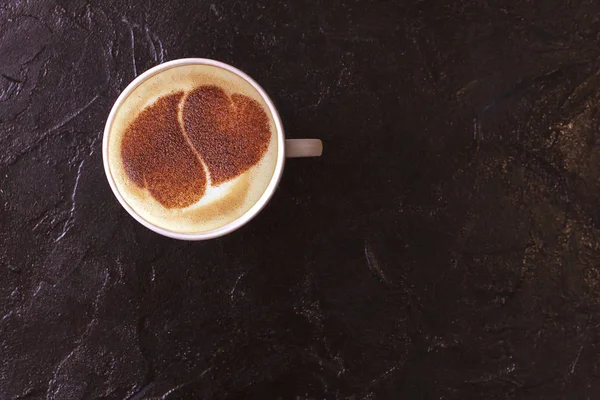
(192, 148)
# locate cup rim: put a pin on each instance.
(250, 213)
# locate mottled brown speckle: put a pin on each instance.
(156, 155)
(230, 134)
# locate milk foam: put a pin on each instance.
(220, 204)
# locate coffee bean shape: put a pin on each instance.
(226, 134)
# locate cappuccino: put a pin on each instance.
(192, 148)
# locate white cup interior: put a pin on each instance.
(255, 209)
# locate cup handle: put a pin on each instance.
(295, 148)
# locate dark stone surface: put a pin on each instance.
(446, 246)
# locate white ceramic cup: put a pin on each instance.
(289, 148)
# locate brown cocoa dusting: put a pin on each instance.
(230, 134)
(157, 156)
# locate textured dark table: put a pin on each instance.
(446, 246)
